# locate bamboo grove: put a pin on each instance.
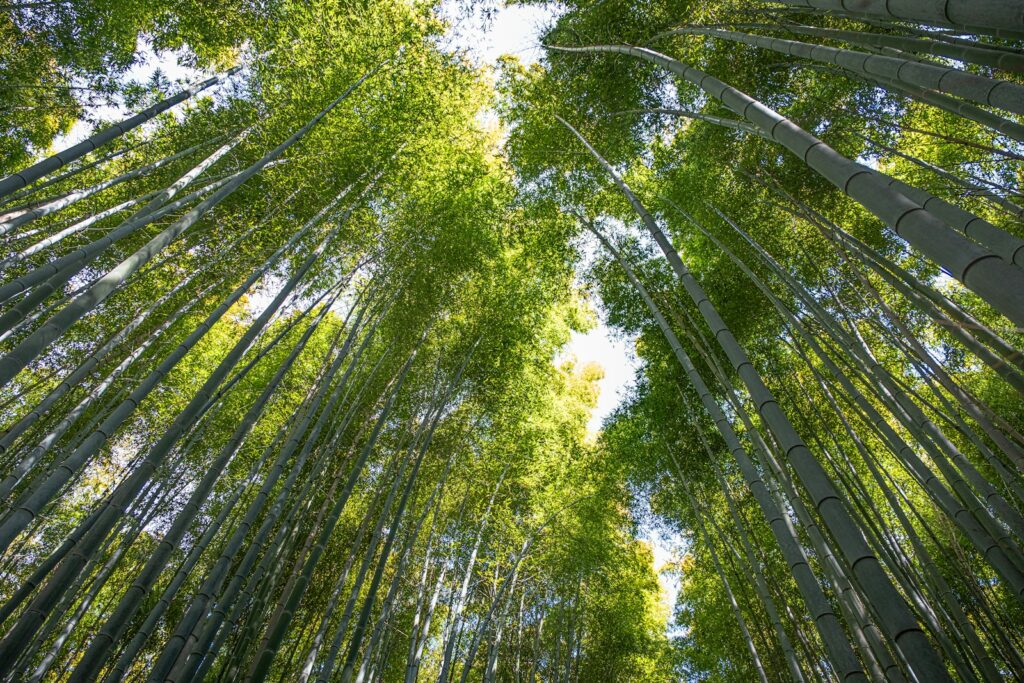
(283, 393)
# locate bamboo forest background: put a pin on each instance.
(282, 386)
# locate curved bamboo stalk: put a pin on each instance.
(994, 17)
(982, 271)
(974, 53)
(980, 89)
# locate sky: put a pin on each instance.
(511, 30)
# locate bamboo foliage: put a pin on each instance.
(284, 383)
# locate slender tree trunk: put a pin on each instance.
(459, 605)
(945, 313)
(75, 228)
(507, 585)
(86, 367)
(128, 489)
(869, 640)
(943, 590)
(19, 216)
(759, 581)
(987, 545)
(37, 342)
(1000, 124)
(128, 654)
(361, 624)
(33, 173)
(339, 586)
(977, 410)
(48, 277)
(968, 185)
(184, 636)
(108, 635)
(34, 501)
(420, 643)
(399, 573)
(277, 630)
(32, 457)
(992, 17)
(75, 170)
